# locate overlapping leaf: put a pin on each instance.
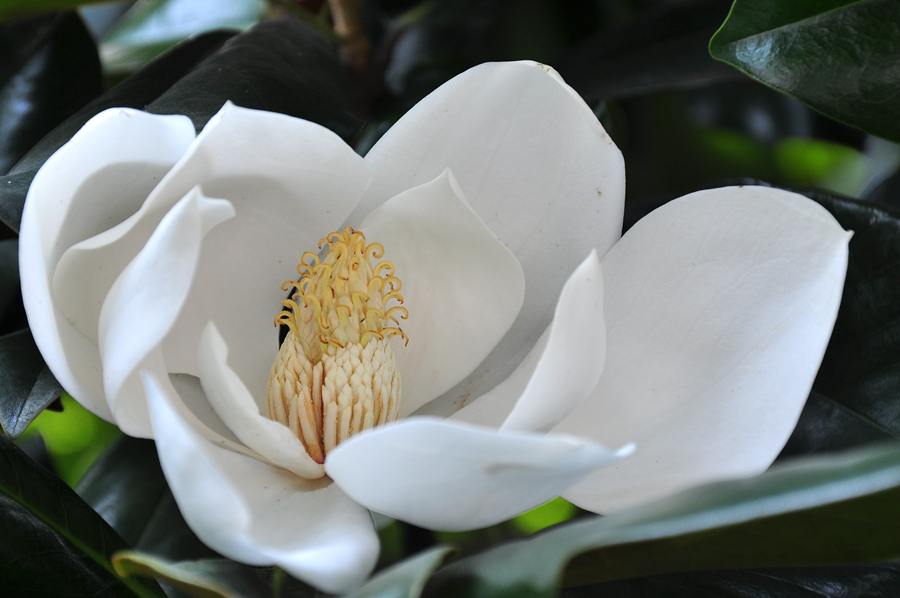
(819, 510)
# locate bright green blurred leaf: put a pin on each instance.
(53, 543)
(75, 437)
(838, 56)
(813, 163)
(152, 26)
(816, 510)
(551, 513)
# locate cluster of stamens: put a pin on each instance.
(336, 373)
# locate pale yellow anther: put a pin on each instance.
(336, 373)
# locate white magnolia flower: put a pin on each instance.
(152, 264)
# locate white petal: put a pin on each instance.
(145, 301)
(234, 404)
(719, 306)
(290, 181)
(454, 476)
(96, 180)
(461, 285)
(573, 360)
(492, 408)
(536, 166)
(258, 514)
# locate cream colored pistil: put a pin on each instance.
(336, 373)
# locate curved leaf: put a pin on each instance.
(837, 56)
(136, 91)
(407, 578)
(50, 69)
(812, 582)
(815, 510)
(856, 395)
(214, 578)
(53, 543)
(126, 487)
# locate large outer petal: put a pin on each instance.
(99, 178)
(258, 514)
(536, 166)
(719, 306)
(454, 476)
(290, 182)
(462, 286)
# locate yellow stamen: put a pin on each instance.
(336, 373)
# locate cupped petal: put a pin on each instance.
(536, 166)
(235, 405)
(99, 178)
(454, 476)
(258, 514)
(144, 302)
(492, 408)
(572, 361)
(290, 181)
(462, 286)
(719, 306)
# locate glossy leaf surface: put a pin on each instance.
(53, 543)
(837, 56)
(856, 395)
(50, 69)
(819, 510)
(26, 385)
(127, 488)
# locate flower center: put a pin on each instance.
(336, 373)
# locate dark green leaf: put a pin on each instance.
(9, 274)
(27, 387)
(856, 395)
(874, 581)
(50, 69)
(127, 488)
(24, 392)
(660, 49)
(135, 92)
(281, 66)
(54, 544)
(405, 579)
(214, 578)
(837, 56)
(817, 510)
